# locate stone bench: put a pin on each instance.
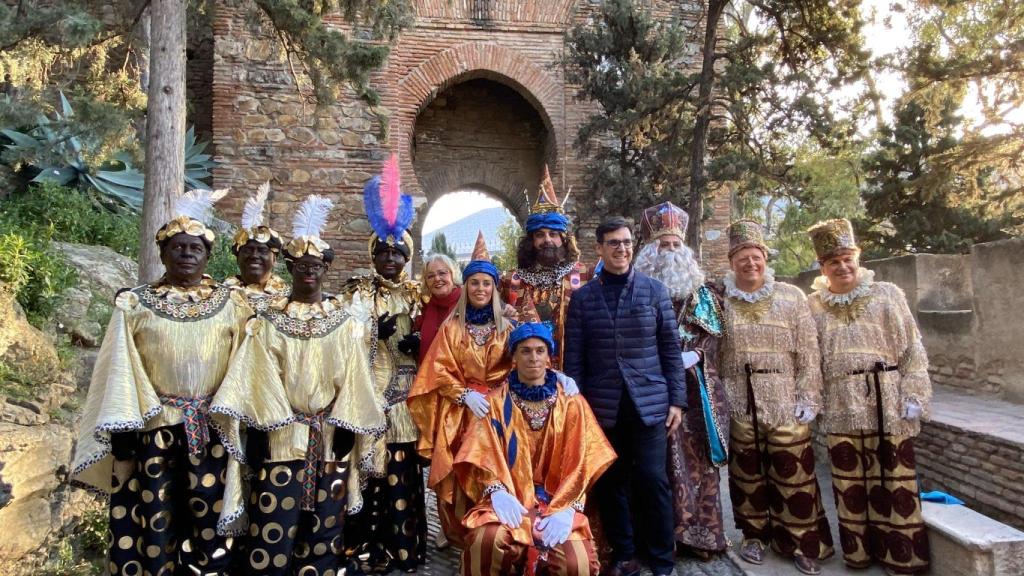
(967, 543)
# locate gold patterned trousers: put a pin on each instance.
(878, 521)
(163, 517)
(491, 551)
(775, 495)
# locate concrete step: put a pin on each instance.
(966, 543)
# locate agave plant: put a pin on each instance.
(60, 157)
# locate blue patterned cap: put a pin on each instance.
(531, 330)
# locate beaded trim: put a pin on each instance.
(306, 329)
(183, 311)
(223, 523)
(492, 488)
(578, 506)
(398, 388)
(480, 333)
(545, 277)
(536, 412)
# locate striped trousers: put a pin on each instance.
(491, 551)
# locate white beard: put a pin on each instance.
(676, 269)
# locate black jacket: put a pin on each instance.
(637, 350)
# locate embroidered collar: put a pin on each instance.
(865, 281)
(703, 310)
(761, 293)
(180, 294)
(479, 316)
(309, 311)
(275, 286)
(545, 277)
(533, 393)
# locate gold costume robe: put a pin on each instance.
(546, 291)
(776, 335)
(260, 297)
(457, 361)
(565, 456)
(304, 360)
(161, 340)
(871, 324)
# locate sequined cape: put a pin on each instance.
(566, 456)
(260, 297)
(160, 340)
(549, 297)
(775, 333)
(455, 361)
(304, 359)
(881, 328)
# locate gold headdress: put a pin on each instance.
(831, 236)
(193, 212)
(746, 233)
(252, 221)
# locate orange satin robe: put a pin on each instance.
(566, 456)
(454, 364)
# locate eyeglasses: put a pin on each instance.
(304, 267)
(628, 243)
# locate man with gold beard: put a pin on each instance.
(548, 268)
(698, 448)
(770, 365)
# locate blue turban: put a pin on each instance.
(478, 266)
(551, 221)
(531, 330)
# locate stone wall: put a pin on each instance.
(970, 311)
(265, 128)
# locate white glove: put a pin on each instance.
(568, 384)
(690, 359)
(911, 410)
(476, 402)
(509, 510)
(555, 529)
(805, 414)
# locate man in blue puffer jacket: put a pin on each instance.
(622, 348)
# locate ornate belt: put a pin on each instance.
(874, 373)
(197, 428)
(314, 454)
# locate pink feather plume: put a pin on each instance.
(390, 189)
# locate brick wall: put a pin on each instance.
(265, 128)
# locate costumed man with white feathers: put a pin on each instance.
(391, 530)
(548, 267)
(300, 384)
(256, 248)
(145, 429)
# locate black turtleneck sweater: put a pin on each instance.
(612, 286)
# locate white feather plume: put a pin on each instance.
(252, 213)
(198, 204)
(311, 217)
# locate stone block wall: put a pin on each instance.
(267, 128)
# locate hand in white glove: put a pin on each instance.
(510, 312)
(476, 402)
(911, 410)
(568, 384)
(805, 414)
(555, 529)
(690, 359)
(509, 510)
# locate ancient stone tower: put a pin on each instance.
(474, 100)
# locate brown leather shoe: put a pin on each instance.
(622, 568)
(752, 551)
(807, 565)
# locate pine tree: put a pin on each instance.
(439, 245)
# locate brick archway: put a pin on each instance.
(471, 61)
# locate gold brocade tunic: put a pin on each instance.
(548, 292)
(393, 370)
(872, 323)
(773, 331)
(565, 456)
(161, 340)
(303, 360)
(259, 297)
(455, 363)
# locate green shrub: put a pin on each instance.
(75, 216)
(37, 273)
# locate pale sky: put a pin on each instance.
(451, 207)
